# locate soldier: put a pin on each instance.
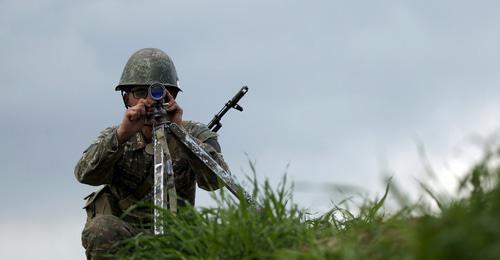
(121, 159)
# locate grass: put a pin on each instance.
(466, 227)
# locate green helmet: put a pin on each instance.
(148, 66)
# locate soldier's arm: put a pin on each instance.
(207, 139)
(95, 167)
(206, 179)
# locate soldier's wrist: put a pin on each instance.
(122, 135)
(113, 143)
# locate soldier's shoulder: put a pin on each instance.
(198, 130)
(189, 124)
(106, 132)
(109, 129)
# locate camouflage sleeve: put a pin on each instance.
(205, 178)
(97, 162)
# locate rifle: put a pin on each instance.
(164, 193)
(215, 124)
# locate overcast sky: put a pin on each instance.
(340, 90)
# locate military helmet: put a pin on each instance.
(148, 66)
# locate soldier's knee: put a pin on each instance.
(102, 234)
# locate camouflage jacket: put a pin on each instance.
(128, 167)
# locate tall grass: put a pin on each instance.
(465, 228)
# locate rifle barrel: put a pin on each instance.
(215, 124)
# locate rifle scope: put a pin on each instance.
(157, 92)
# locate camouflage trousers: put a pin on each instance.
(102, 234)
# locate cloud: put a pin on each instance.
(335, 87)
(41, 238)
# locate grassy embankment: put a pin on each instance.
(464, 228)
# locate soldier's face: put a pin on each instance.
(135, 94)
(141, 92)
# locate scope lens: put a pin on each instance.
(157, 91)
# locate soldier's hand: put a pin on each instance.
(174, 110)
(133, 120)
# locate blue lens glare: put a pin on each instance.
(157, 91)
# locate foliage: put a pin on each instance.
(464, 228)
